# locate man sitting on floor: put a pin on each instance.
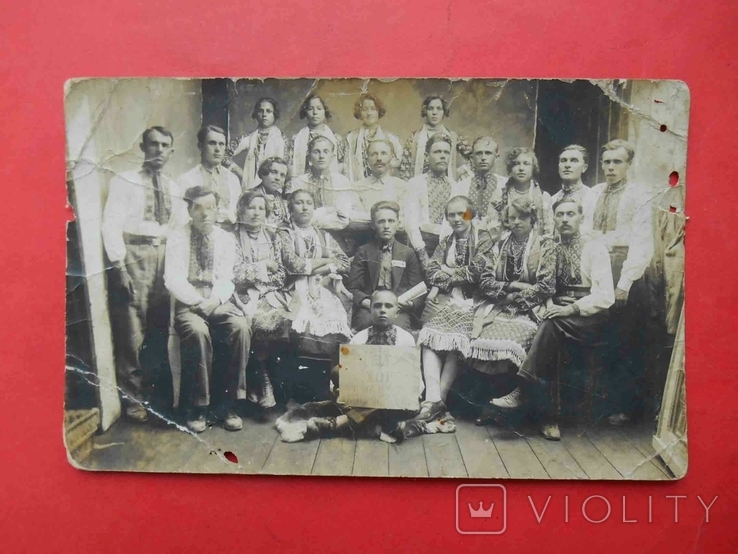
(384, 264)
(575, 317)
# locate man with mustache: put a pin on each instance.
(380, 185)
(211, 174)
(622, 222)
(428, 193)
(199, 274)
(573, 163)
(574, 318)
(142, 209)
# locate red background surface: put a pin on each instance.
(49, 506)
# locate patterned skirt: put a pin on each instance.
(269, 323)
(507, 337)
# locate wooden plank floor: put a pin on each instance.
(492, 452)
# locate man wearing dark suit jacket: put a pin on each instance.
(384, 264)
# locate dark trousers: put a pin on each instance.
(199, 339)
(555, 342)
(626, 353)
(141, 326)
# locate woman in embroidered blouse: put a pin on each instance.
(453, 273)
(369, 110)
(515, 285)
(415, 160)
(266, 141)
(317, 114)
(522, 167)
(314, 263)
(274, 174)
(259, 279)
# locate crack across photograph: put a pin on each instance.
(472, 278)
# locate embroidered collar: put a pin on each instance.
(387, 337)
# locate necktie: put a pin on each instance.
(158, 198)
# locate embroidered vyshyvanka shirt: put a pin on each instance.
(425, 203)
(394, 336)
(219, 180)
(259, 147)
(138, 205)
(588, 199)
(622, 218)
(193, 264)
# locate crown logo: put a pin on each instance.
(481, 512)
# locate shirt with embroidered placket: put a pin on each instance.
(593, 272)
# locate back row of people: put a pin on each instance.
(273, 238)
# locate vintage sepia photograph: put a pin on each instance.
(477, 278)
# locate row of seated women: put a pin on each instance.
(300, 287)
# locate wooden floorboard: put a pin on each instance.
(519, 459)
(371, 458)
(481, 458)
(443, 456)
(625, 457)
(408, 459)
(641, 437)
(335, 457)
(494, 452)
(591, 460)
(296, 458)
(556, 459)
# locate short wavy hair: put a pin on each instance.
(578, 148)
(317, 139)
(385, 205)
(377, 102)
(158, 129)
(513, 154)
(428, 100)
(568, 200)
(620, 143)
(245, 200)
(266, 166)
(193, 194)
(306, 104)
(272, 101)
(205, 129)
(524, 206)
(437, 137)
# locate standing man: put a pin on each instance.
(484, 185)
(199, 274)
(428, 193)
(140, 212)
(573, 163)
(573, 319)
(211, 174)
(384, 264)
(622, 223)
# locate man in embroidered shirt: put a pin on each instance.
(428, 193)
(199, 274)
(140, 212)
(622, 222)
(575, 317)
(383, 331)
(380, 185)
(484, 185)
(210, 173)
(384, 264)
(573, 163)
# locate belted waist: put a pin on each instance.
(130, 238)
(619, 249)
(575, 291)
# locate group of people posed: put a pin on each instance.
(319, 240)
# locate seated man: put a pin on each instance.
(575, 317)
(384, 311)
(199, 274)
(385, 264)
